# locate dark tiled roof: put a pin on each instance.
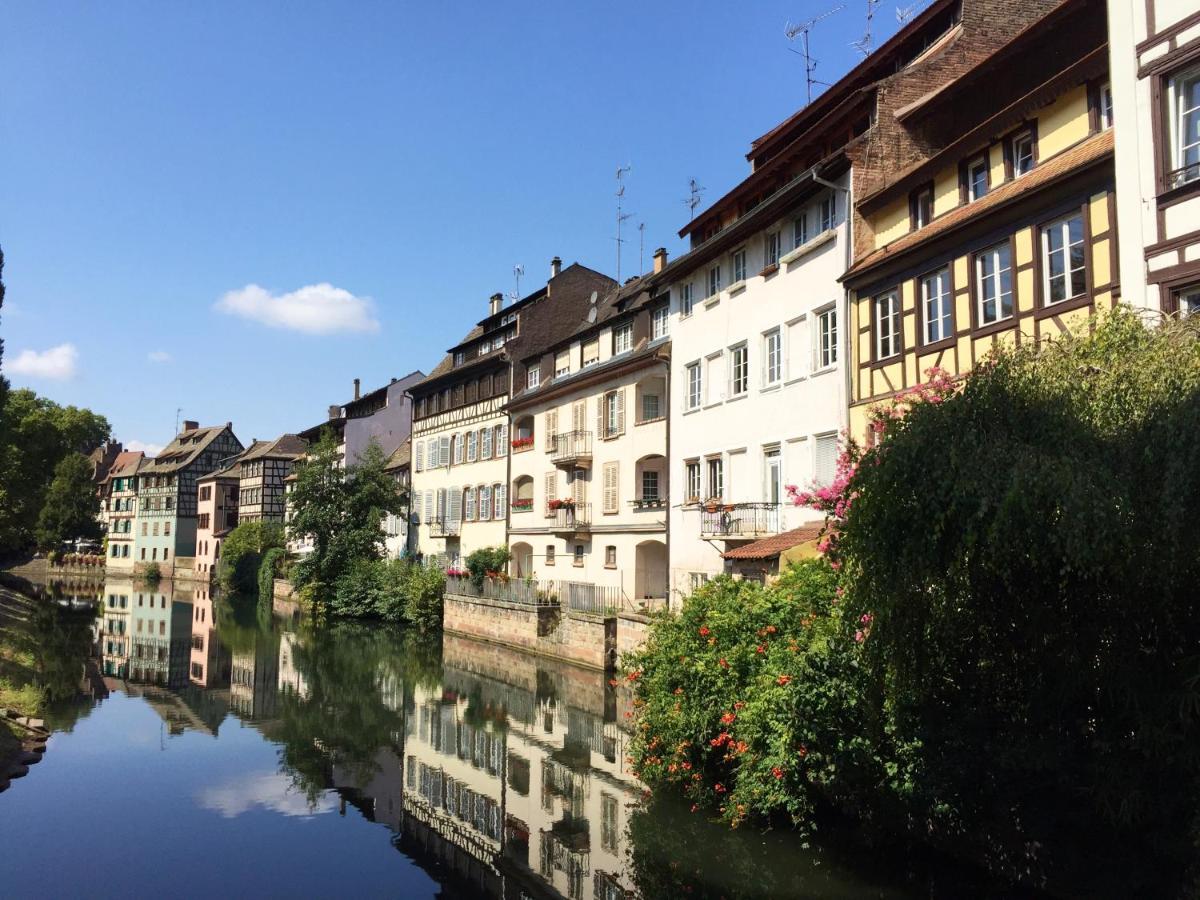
(231, 472)
(401, 456)
(770, 547)
(287, 446)
(126, 464)
(1083, 154)
(184, 449)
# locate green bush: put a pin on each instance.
(152, 573)
(268, 570)
(423, 594)
(751, 702)
(242, 553)
(359, 592)
(486, 561)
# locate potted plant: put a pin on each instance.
(712, 504)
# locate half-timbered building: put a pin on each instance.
(121, 508)
(263, 469)
(217, 496)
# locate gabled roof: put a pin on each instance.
(231, 472)
(770, 547)
(401, 456)
(287, 446)
(184, 449)
(126, 464)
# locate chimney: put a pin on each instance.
(189, 425)
(494, 304)
(660, 259)
(334, 411)
(555, 267)
(357, 388)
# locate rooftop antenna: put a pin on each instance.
(905, 13)
(518, 271)
(693, 198)
(865, 44)
(641, 247)
(802, 31)
(621, 217)
(178, 411)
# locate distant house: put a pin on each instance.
(101, 461)
(395, 527)
(264, 467)
(165, 524)
(120, 506)
(217, 498)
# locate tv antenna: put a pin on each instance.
(621, 217)
(693, 198)
(864, 45)
(802, 31)
(178, 411)
(905, 13)
(518, 271)
(641, 247)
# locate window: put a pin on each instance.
(610, 557)
(166, 529)
(691, 479)
(772, 476)
(456, 448)
(472, 446)
(936, 300)
(660, 321)
(825, 465)
(499, 498)
(501, 440)
(694, 386)
(469, 504)
(612, 487)
(485, 503)
(828, 212)
(1063, 260)
(533, 377)
(651, 407)
(714, 281)
(772, 357)
(1183, 124)
(1187, 300)
(562, 363)
(739, 370)
(920, 206)
(484, 348)
(460, 357)
(887, 325)
(485, 443)
(739, 266)
(1022, 153)
(993, 279)
(650, 485)
(977, 178)
(771, 257)
(716, 478)
(685, 299)
(203, 521)
(578, 560)
(827, 338)
(623, 338)
(1106, 105)
(591, 352)
(549, 554)
(613, 415)
(206, 492)
(800, 230)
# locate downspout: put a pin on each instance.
(844, 318)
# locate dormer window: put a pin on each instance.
(533, 377)
(623, 338)
(714, 281)
(460, 357)
(920, 207)
(1023, 153)
(828, 212)
(484, 348)
(800, 230)
(977, 178)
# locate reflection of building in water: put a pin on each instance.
(290, 678)
(209, 664)
(254, 680)
(112, 629)
(160, 631)
(518, 763)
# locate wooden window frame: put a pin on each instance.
(878, 360)
(1042, 307)
(925, 345)
(1009, 146)
(914, 205)
(1161, 116)
(979, 328)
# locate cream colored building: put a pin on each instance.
(1153, 98)
(460, 430)
(121, 510)
(588, 486)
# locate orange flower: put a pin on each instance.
(739, 704)
(783, 679)
(777, 772)
(727, 718)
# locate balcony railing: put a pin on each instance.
(572, 449)
(739, 520)
(444, 526)
(573, 519)
(582, 596)
(649, 503)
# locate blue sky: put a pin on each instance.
(236, 209)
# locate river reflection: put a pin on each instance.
(278, 754)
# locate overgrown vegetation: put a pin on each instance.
(269, 569)
(1011, 669)
(486, 562)
(151, 573)
(394, 591)
(242, 554)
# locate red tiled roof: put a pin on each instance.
(775, 544)
(1080, 156)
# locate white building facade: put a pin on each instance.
(758, 376)
(1154, 100)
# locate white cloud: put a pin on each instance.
(314, 309)
(269, 790)
(158, 356)
(57, 363)
(148, 449)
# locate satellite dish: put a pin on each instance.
(595, 296)
(591, 315)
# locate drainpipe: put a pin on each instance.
(844, 345)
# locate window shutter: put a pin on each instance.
(458, 449)
(621, 411)
(579, 415)
(578, 486)
(441, 504)
(469, 501)
(455, 511)
(444, 451)
(420, 455)
(601, 416)
(551, 428)
(428, 507)
(502, 440)
(551, 490)
(499, 496)
(485, 437)
(611, 484)
(485, 504)
(826, 462)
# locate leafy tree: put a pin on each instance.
(486, 561)
(3, 380)
(342, 510)
(268, 571)
(71, 507)
(242, 553)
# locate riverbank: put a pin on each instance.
(21, 735)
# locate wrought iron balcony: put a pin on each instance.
(573, 519)
(444, 526)
(739, 520)
(572, 450)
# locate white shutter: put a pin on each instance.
(551, 429)
(458, 449)
(444, 451)
(579, 415)
(502, 440)
(621, 411)
(485, 437)
(428, 507)
(455, 511)
(611, 486)
(469, 500)
(420, 455)
(441, 505)
(578, 486)
(601, 417)
(551, 492)
(485, 503)
(499, 495)
(472, 446)
(825, 466)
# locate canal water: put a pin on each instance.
(203, 747)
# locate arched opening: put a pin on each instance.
(650, 482)
(650, 572)
(522, 494)
(651, 399)
(522, 438)
(522, 560)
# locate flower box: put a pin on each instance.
(521, 443)
(568, 503)
(522, 505)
